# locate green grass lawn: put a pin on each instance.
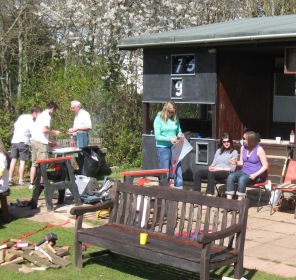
(97, 268)
(101, 267)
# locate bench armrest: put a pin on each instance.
(80, 210)
(205, 238)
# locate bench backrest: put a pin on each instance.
(175, 212)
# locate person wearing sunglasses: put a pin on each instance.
(168, 132)
(253, 164)
(224, 162)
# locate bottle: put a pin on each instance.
(72, 142)
(292, 137)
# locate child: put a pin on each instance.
(4, 167)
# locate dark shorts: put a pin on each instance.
(20, 150)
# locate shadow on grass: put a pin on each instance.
(18, 213)
(146, 270)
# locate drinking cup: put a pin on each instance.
(278, 139)
(143, 238)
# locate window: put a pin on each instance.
(202, 152)
(284, 100)
(290, 60)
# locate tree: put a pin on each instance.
(65, 50)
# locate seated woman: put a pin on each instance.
(254, 166)
(223, 163)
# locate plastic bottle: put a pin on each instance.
(292, 137)
(72, 142)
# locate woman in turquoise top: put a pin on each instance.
(167, 132)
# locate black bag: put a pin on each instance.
(90, 164)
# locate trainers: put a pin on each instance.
(31, 187)
(10, 183)
(22, 183)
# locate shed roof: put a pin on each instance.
(248, 30)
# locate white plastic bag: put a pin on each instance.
(275, 198)
(81, 182)
(139, 198)
(268, 186)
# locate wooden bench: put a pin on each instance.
(4, 206)
(181, 233)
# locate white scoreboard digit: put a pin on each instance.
(183, 64)
(177, 88)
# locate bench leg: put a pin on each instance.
(78, 255)
(4, 208)
(77, 243)
(238, 270)
(205, 262)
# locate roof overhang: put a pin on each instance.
(243, 31)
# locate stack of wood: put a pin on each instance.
(26, 257)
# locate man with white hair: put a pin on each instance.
(82, 124)
(82, 121)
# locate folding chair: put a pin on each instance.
(289, 184)
(261, 186)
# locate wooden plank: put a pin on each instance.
(53, 160)
(176, 195)
(17, 260)
(63, 251)
(145, 172)
(10, 256)
(276, 160)
(162, 213)
(1, 256)
(58, 260)
(36, 260)
(49, 248)
(24, 269)
(155, 214)
(182, 219)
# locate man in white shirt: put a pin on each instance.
(82, 124)
(82, 121)
(40, 138)
(20, 143)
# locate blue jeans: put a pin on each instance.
(242, 180)
(164, 156)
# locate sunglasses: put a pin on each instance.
(225, 141)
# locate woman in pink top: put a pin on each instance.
(254, 166)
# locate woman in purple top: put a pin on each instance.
(254, 166)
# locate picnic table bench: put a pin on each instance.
(129, 176)
(67, 182)
(181, 233)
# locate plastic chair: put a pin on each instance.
(289, 182)
(261, 186)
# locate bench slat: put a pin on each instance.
(145, 172)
